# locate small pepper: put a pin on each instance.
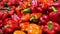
(55, 15)
(15, 17)
(34, 29)
(18, 32)
(51, 27)
(18, 11)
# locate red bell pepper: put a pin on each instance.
(1, 5)
(25, 17)
(24, 25)
(15, 17)
(47, 2)
(5, 0)
(43, 19)
(11, 10)
(4, 15)
(33, 9)
(34, 6)
(14, 2)
(55, 15)
(9, 26)
(51, 27)
(23, 4)
(7, 30)
(1, 14)
(8, 10)
(12, 24)
(18, 11)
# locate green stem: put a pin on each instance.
(33, 19)
(50, 26)
(54, 9)
(7, 26)
(27, 10)
(6, 8)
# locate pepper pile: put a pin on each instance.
(29, 16)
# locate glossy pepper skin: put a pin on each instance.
(12, 2)
(54, 15)
(51, 27)
(15, 17)
(33, 29)
(18, 11)
(1, 14)
(1, 5)
(24, 25)
(9, 26)
(34, 5)
(25, 17)
(11, 12)
(18, 32)
(4, 14)
(47, 2)
(44, 19)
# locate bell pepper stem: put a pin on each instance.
(27, 10)
(7, 26)
(50, 26)
(33, 19)
(54, 9)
